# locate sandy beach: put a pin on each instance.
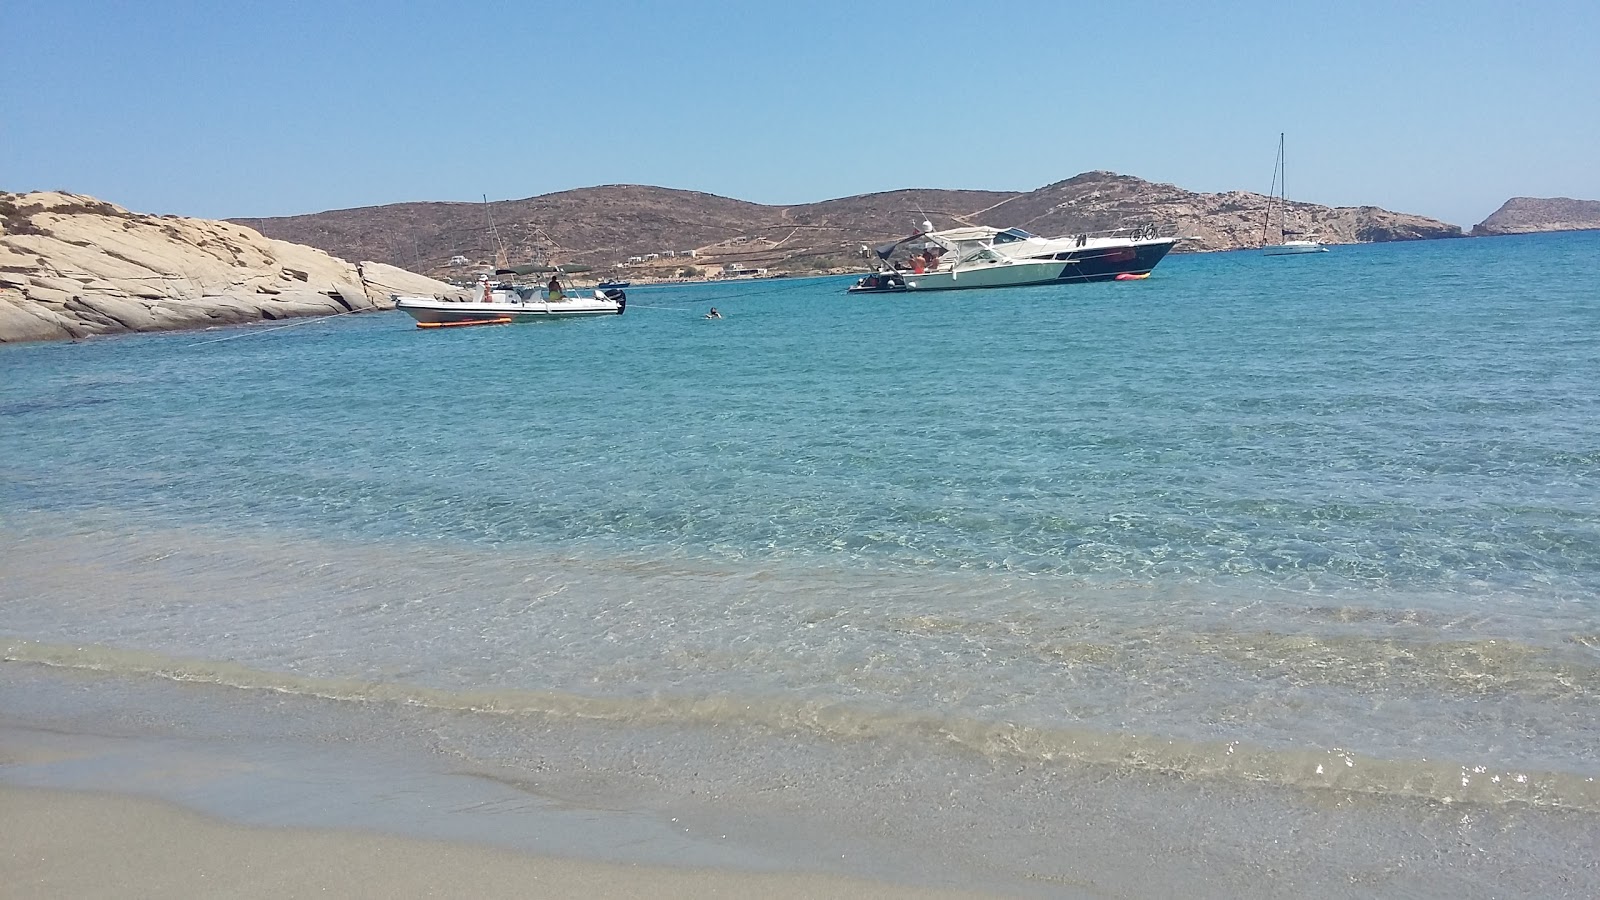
(111, 787)
(67, 844)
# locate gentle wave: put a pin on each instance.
(1438, 781)
(1415, 663)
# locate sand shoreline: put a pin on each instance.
(107, 790)
(58, 843)
(257, 765)
(288, 788)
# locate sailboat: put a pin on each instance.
(1279, 198)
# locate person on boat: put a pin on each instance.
(554, 287)
(929, 260)
(713, 314)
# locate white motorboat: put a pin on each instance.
(981, 256)
(1278, 198)
(503, 303)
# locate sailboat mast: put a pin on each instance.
(1278, 177)
(1283, 188)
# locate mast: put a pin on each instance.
(1279, 176)
(1283, 180)
(1283, 189)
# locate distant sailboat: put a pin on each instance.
(1279, 198)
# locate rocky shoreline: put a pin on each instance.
(72, 266)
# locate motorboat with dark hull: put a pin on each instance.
(508, 302)
(981, 256)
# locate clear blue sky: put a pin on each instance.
(1444, 109)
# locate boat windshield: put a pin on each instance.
(1011, 235)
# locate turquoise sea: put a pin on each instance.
(1267, 575)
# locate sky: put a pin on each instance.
(1443, 109)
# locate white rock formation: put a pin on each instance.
(73, 266)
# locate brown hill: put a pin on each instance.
(1521, 215)
(602, 227)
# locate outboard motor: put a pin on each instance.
(617, 295)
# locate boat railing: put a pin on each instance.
(1144, 231)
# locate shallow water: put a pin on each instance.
(1322, 524)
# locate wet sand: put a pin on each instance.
(67, 844)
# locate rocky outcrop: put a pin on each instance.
(1521, 215)
(73, 266)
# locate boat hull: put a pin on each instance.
(1102, 263)
(428, 311)
(1292, 248)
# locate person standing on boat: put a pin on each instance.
(554, 287)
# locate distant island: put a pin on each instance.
(1522, 215)
(654, 233)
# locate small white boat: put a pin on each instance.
(504, 304)
(1291, 247)
(1278, 197)
(981, 256)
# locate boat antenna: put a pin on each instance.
(502, 261)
